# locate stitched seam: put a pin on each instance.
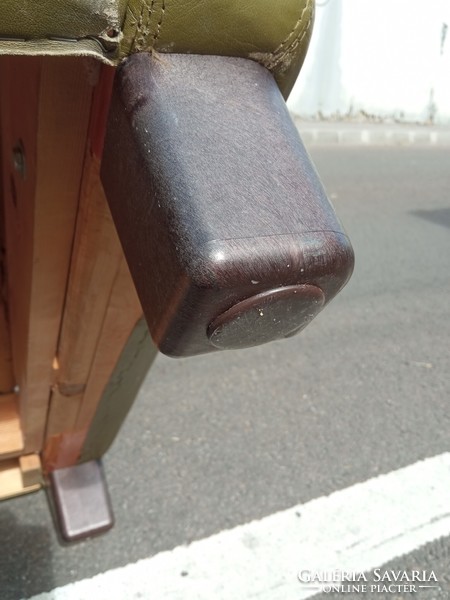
(290, 51)
(161, 19)
(281, 54)
(137, 36)
(143, 26)
(285, 42)
(283, 58)
(130, 16)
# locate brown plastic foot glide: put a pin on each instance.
(81, 500)
(227, 230)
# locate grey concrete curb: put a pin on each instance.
(365, 134)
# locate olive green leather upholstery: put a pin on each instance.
(273, 32)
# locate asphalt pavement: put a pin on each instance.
(224, 439)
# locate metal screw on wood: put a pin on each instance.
(19, 159)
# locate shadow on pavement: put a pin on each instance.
(24, 550)
(439, 216)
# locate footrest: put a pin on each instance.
(81, 500)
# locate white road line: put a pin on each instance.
(355, 529)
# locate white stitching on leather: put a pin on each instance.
(142, 40)
(143, 25)
(297, 40)
(161, 18)
(293, 47)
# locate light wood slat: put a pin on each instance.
(45, 107)
(19, 107)
(30, 467)
(96, 258)
(11, 440)
(123, 313)
(101, 306)
(11, 482)
(63, 412)
(123, 386)
(6, 367)
(95, 262)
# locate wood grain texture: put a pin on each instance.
(95, 261)
(71, 418)
(123, 386)
(96, 256)
(11, 482)
(62, 413)
(45, 108)
(19, 122)
(101, 307)
(213, 194)
(30, 467)
(11, 439)
(7, 381)
(123, 313)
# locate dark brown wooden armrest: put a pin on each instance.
(226, 227)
